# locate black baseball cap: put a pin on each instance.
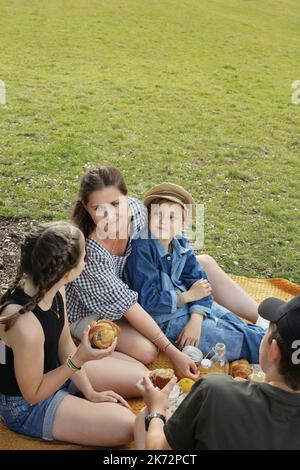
(286, 316)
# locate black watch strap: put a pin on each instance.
(149, 417)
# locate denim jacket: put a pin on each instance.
(155, 274)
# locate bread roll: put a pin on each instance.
(103, 333)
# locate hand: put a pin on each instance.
(191, 333)
(184, 366)
(155, 399)
(199, 290)
(109, 396)
(86, 353)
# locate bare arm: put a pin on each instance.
(156, 402)
(27, 341)
(156, 438)
(67, 348)
(26, 338)
(145, 324)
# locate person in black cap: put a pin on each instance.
(222, 413)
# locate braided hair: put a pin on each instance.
(48, 252)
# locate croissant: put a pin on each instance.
(240, 368)
(160, 377)
(103, 333)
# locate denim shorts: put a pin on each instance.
(33, 420)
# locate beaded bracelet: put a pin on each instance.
(72, 366)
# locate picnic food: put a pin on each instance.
(103, 333)
(186, 384)
(240, 368)
(194, 353)
(160, 377)
(257, 374)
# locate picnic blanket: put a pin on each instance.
(258, 288)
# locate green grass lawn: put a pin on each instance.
(196, 92)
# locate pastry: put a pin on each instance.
(240, 368)
(103, 333)
(160, 377)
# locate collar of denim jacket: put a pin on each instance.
(176, 246)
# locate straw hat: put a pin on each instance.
(170, 192)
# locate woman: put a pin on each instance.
(37, 397)
(110, 220)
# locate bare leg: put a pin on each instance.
(134, 344)
(95, 424)
(125, 357)
(139, 430)
(227, 292)
(117, 374)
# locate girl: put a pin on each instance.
(37, 397)
(173, 287)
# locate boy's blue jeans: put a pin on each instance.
(242, 340)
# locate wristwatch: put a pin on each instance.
(149, 417)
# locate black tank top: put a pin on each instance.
(52, 327)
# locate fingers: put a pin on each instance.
(178, 340)
(206, 285)
(112, 347)
(106, 397)
(119, 399)
(188, 341)
(169, 386)
(101, 353)
(141, 387)
(194, 370)
(85, 336)
(147, 383)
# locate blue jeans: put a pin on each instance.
(33, 420)
(242, 340)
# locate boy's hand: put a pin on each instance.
(199, 290)
(155, 399)
(191, 333)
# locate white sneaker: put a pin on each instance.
(262, 322)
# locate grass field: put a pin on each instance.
(196, 92)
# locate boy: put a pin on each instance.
(173, 287)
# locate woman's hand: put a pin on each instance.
(85, 352)
(109, 396)
(191, 333)
(155, 399)
(183, 365)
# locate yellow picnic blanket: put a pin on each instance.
(258, 288)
